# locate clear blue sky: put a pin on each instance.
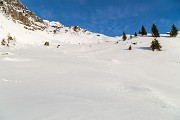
(109, 17)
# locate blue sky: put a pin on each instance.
(109, 17)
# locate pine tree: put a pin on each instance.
(46, 44)
(135, 34)
(143, 31)
(130, 48)
(155, 45)
(124, 36)
(174, 31)
(155, 32)
(131, 36)
(3, 42)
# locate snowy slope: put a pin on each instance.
(89, 77)
(64, 35)
(99, 81)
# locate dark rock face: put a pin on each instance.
(19, 13)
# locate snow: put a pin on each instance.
(94, 80)
(38, 37)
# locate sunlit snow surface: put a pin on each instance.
(93, 80)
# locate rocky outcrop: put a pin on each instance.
(19, 13)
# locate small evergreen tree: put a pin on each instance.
(143, 31)
(155, 32)
(54, 31)
(155, 45)
(135, 34)
(174, 31)
(124, 37)
(3, 42)
(130, 48)
(46, 44)
(131, 37)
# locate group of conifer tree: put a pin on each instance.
(155, 45)
(154, 30)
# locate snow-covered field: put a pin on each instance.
(97, 81)
(88, 77)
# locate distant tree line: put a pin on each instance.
(154, 31)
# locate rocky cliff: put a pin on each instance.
(19, 13)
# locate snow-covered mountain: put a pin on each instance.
(19, 13)
(27, 28)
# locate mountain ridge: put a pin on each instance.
(21, 14)
(21, 23)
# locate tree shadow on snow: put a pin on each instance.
(145, 48)
(165, 36)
